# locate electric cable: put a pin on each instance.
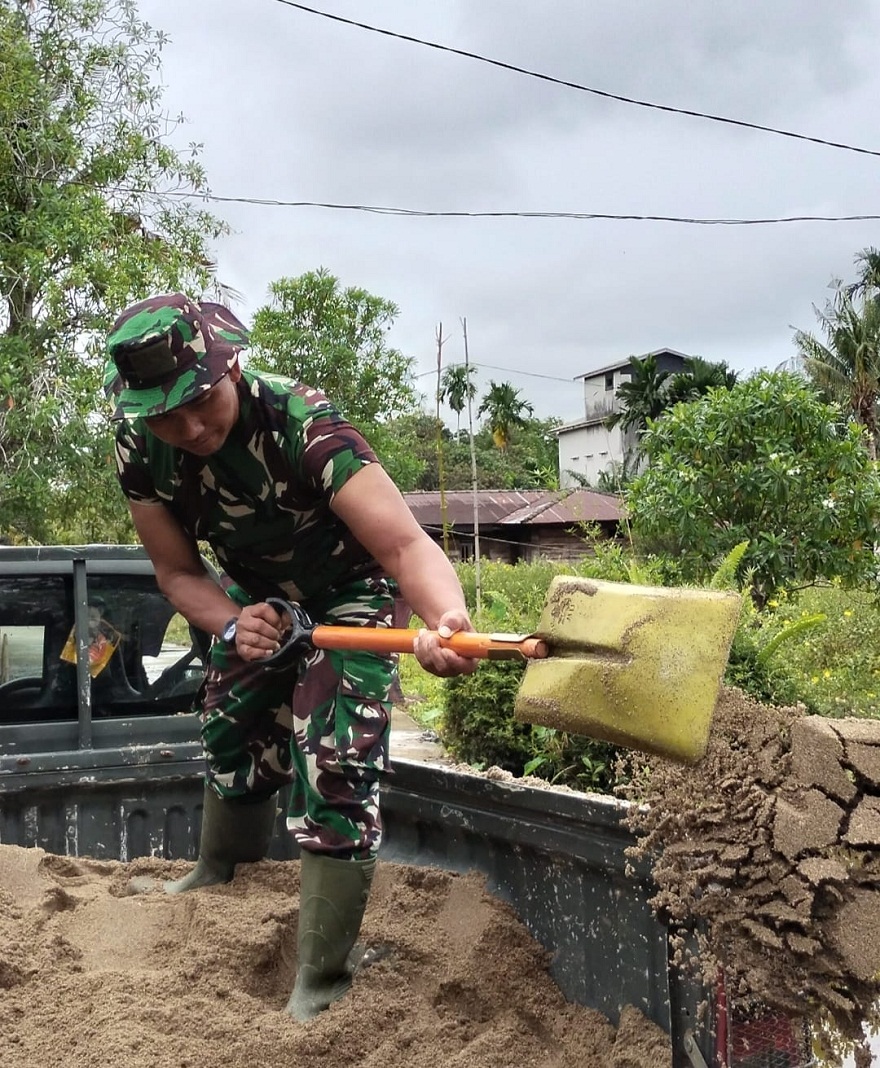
(375, 209)
(691, 113)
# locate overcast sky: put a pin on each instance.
(292, 106)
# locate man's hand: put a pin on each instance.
(439, 661)
(258, 631)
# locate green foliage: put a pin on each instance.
(643, 397)
(753, 665)
(530, 460)
(478, 722)
(846, 367)
(765, 462)
(725, 574)
(336, 339)
(479, 728)
(573, 760)
(836, 664)
(697, 379)
(457, 388)
(504, 409)
(87, 227)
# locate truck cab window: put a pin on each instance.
(144, 659)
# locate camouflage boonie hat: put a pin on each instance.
(166, 350)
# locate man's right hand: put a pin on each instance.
(258, 631)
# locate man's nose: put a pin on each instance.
(192, 426)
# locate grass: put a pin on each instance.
(423, 691)
(836, 665)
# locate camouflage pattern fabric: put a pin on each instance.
(166, 350)
(323, 728)
(262, 501)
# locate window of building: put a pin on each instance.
(609, 380)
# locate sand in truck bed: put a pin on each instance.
(91, 975)
(768, 851)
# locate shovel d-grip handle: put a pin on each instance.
(301, 635)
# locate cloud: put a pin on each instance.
(296, 107)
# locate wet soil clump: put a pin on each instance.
(766, 854)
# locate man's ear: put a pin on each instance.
(235, 371)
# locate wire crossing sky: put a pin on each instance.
(575, 85)
(571, 228)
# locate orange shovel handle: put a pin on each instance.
(465, 643)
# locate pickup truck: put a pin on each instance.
(99, 756)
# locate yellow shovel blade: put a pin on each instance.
(638, 666)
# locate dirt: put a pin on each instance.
(766, 856)
(93, 975)
(770, 849)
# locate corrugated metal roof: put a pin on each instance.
(493, 505)
(620, 364)
(574, 506)
(519, 507)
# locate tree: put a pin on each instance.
(505, 409)
(456, 388)
(642, 398)
(88, 224)
(868, 282)
(336, 340)
(697, 378)
(766, 463)
(846, 367)
(531, 460)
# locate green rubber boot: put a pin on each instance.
(233, 832)
(333, 896)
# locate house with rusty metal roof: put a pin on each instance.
(517, 525)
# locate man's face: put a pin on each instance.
(202, 426)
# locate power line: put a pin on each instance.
(418, 213)
(508, 370)
(582, 88)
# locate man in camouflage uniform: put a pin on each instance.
(294, 503)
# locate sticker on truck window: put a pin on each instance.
(104, 640)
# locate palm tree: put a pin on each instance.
(868, 284)
(642, 398)
(505, 409)
(846, 368)
(456, 388)
(697, 378)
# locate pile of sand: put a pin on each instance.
(771, 848)
(91, 975)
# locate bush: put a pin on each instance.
(479, 728)
(478, 723)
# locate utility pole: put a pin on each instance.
(441, 469)
(467, 372)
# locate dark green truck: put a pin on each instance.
(99, 756)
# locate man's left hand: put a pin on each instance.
(431, 654)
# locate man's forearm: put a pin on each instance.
(428, 581)
(199, 599)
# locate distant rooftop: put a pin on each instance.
(626, 362)
(519, 507)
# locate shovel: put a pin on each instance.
(637, 666)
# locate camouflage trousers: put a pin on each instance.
(323, 728)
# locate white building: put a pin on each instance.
(588, 447)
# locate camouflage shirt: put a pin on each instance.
(262, 501)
